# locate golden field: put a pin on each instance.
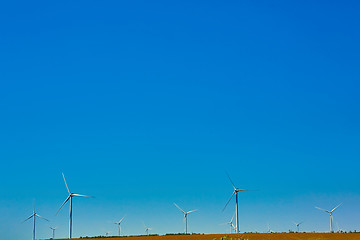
(249, 236)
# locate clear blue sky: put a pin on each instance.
(142, 104)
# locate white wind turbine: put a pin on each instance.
(118, 223)
(147, 229)
(34, 215)
(236, 190)
(231, 224)
(338, 228)
(185, 215)
(331, 215)
(53, 231)
(297, 225)
(71, 195)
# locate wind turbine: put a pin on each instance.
(34, 215)
(185, 215)
(331, 215)
(53, 231)
(147, 229)
(297, 225)
(236, 190)
(338, 228)
(231, 224)
(107, 234)
(118, 223)
(71, 195)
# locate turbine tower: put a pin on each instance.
(236, 190)
(185, 215)
(71, 195)
(297, 225)
(331, 215)
(118, 223)
(34, 215)
(53, 231)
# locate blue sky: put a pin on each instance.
(142, 104)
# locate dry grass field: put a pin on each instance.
(247, 236)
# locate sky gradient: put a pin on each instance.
(142, 104)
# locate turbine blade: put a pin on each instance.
(193, 211)
(322, 209)
(232, 218)
(67, 199)
(41, 217)
(336, 207)
(121, 220)
(28, 218)
(66, 183)
(179, 208)
(229, 200)
(79, 195)
(231, 181)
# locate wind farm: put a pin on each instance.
(234, 231)
(193, 120)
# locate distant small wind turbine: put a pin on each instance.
(34, 215)
(231, 224)
(107, 233)
(236, 190)
(331, 215)
(118, 223)
(185, 215)
(297, 225)
(147, 229)
(71, 195)
(338, 228)
(53, 231)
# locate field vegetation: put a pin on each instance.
(242, 236)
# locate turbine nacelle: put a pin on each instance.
(239, 190)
